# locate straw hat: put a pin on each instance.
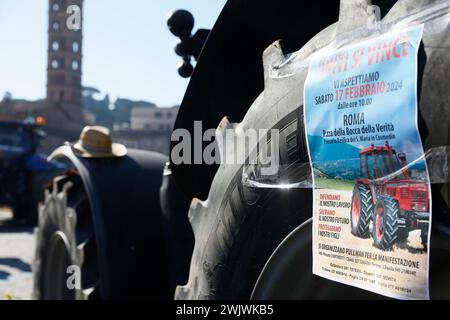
(96, 142)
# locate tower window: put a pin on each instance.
(55, 64)
(55, 45)
(55, 26)
(75, 47)
(75, 65)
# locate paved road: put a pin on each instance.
(16, 255)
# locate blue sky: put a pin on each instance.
(128, 50)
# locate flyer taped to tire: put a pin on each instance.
(371, 204)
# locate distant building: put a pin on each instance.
(157, 119)
(152, 140)
(150, 129)
(123, 107)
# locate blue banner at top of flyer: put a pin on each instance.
(363, 95)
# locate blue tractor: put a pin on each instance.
(23, 171)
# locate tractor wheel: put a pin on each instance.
(361, 212)
(385, 222)
(66, 264)
(236, 233)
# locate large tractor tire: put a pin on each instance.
(385, 222)
(101, 227)
(237, 231)
(66, 244)
(361, 211)
(237, 228)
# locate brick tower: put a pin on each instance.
(63, 106)
(64, 56)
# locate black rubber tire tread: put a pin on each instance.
(365, 213)
(222, 228)
(236, 235)
(66, 210)
(390, 228)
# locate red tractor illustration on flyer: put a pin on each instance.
(387, 196)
